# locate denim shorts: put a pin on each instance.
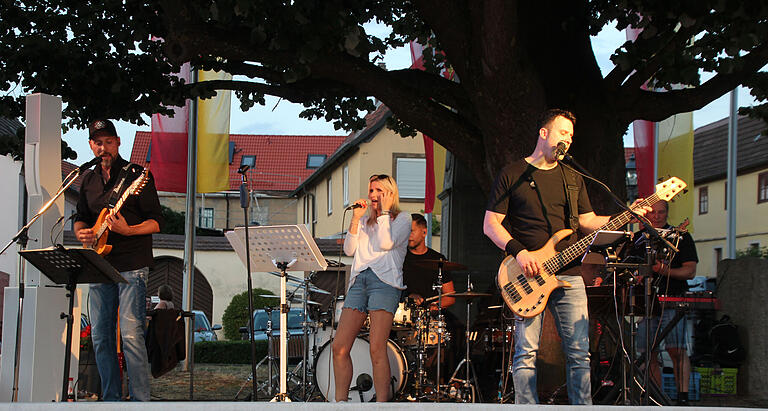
(369, 293)
(675, 338)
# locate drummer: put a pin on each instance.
(419, 280)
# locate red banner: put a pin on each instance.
(168, 151)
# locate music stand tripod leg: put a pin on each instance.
(70, 287)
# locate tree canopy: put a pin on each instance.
(513, 59)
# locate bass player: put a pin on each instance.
(130, 235)
(531, 199)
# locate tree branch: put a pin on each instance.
(657, 106)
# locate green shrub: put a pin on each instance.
(236, 314)
(753, 251)
(228, 352)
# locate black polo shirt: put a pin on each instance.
(131, 252)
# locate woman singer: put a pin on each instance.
(378, 241)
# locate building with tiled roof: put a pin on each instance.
(278, 164)
(343, 178)
(710, 162)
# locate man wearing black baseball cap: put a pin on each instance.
(130, 235)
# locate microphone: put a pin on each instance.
(95, 161)
(560, 150)
(353, 206)
(364, 383)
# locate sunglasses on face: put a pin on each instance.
(377, 177)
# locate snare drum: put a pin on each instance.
(404, 316)
(361, 367)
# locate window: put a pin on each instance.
(329, 192)
(315, 160)
(703, 200)
(205, 219)
(725, 207)
(345, 184)
(762, 188)
(231, 151)
(149, 151)
(410, 174)
(249, 161)
(718, 255)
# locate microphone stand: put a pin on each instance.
(653, 233)
(245, 204)
(22, 238)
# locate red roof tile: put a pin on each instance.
(66, 168)
(281, 161)
(628, 152)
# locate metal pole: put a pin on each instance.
(189, 231)
(733, 134)
(429, 229)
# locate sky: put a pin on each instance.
(282, 117)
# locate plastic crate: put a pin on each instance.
(670, 388)
(718, 381)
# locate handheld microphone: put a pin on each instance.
(95, 161)
(560, 150)
(353, 206)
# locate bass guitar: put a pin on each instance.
(101, 229)
(526, 296)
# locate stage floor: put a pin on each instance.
(314, 406)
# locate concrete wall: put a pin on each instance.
(264, 210)
(711, 228)
(742, 291)
(10, 207)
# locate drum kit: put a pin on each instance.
(420, 334)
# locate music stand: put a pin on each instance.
(71, 267)
(281, 247)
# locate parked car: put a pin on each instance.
(203, 329)
(295, 318)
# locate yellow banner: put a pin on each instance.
(675, 146)
(213, 137)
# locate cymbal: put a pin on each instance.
(467, 295)
(435, 264)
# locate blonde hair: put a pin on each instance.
(387, 183)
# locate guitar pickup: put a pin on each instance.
(524, 283)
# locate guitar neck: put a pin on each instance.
(563, 258)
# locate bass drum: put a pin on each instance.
(361, 365)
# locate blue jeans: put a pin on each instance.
(369, 293)
(103, 306)
(569, 307)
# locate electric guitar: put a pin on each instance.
(101, 228)
(527, 297)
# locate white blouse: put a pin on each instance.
(380, 247)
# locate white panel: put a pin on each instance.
(43, 342)
(43, 173)
(10, 204)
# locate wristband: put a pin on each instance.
(513, 247)
(385, 212)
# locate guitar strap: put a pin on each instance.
(117, 190)
(571, 186)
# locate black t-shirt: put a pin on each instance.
(535, 205)
(687, 252)
(420, 280)
(128, 253)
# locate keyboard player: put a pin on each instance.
(670, 278)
